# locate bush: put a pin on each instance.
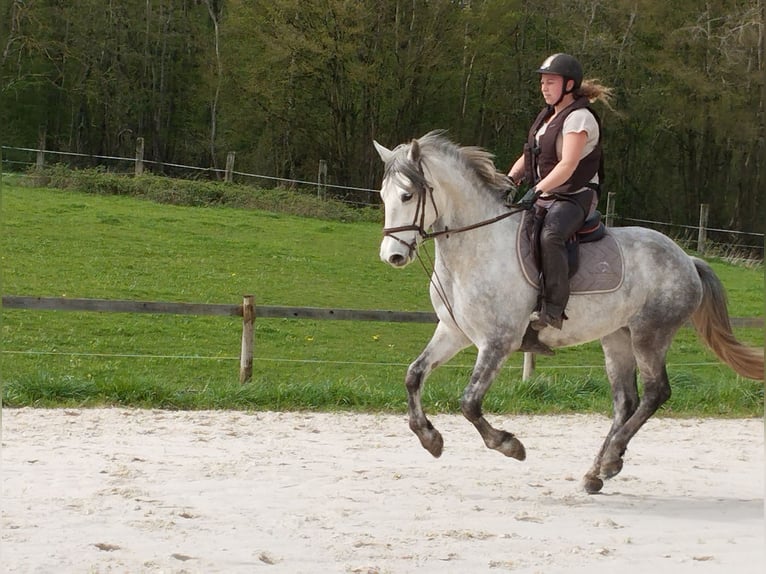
(200, 193)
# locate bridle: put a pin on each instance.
(426, 192)
(418, 221)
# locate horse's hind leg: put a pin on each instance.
(621, 370)
(650, 348)
(488, 363)
(444, 344)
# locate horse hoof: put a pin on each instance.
(592, 484)
(512, 447)
(433, 444)
(611, 469)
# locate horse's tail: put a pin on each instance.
(711, 320)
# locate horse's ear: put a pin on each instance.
(414, 154)
(384, 153)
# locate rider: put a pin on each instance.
(562, 164)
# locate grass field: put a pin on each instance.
(68, 243)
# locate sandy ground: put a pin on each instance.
(113, 490)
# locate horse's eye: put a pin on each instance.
(406, 196)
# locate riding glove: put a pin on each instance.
(528, 201)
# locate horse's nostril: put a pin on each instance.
(396, 259)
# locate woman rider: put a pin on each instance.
(562, 163)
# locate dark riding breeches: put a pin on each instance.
(563, 219)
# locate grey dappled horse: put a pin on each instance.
(433, 188)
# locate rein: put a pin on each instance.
(447, 230)
(418, 223)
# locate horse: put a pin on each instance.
(434, 189)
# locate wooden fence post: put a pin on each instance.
(610, 209)
(702, 237)
(529, 366)
(41, 151)
(248, 339)
(322, 179)
(229, 177)
(139, 156)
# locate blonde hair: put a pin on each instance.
(594, 90)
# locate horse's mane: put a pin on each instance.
(475, 159)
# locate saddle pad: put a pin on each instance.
(600, 268)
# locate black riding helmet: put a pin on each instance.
(563, 65)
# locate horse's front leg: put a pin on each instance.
(488, 364)
(444, 344)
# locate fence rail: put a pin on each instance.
(172, 308)
(263, 311)
(118, 306)
(249, 312)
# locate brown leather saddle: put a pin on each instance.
(595, 257)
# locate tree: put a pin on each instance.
(288, 83)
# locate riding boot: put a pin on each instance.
(532, 344)
(556, 289)
(562, 221)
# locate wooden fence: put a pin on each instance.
(249, 311)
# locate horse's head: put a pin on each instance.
(408, 201)
(468, 188)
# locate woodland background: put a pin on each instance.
(286, 83)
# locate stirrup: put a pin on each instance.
(539, 321)
(532, 344)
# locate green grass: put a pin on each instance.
(117, 246)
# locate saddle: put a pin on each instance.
(592, 230)
(595, 257)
